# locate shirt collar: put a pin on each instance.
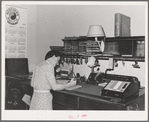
(51, 61)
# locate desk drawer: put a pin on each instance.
(65, 100)
(138, 104)
(88, 104)
(57, 106)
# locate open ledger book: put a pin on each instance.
(70, 88)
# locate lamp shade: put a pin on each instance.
(96, 31)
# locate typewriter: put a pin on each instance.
(117, 86)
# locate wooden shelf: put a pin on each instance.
(115, 47)
(105, 57)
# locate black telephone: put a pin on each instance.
(96, 78)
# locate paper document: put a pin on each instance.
(74, 87)
(26, 99)
(102, 84)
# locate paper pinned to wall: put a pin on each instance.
(15, 32)
(26, 99)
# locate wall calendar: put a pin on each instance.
(15, 32)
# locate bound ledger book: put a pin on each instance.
(122, 25)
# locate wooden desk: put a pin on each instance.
(79, 100)
(87, 98)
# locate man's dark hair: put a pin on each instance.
(52, 53)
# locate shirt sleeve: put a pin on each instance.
(50, 73)
(32, 80)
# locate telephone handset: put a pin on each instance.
(96, 78)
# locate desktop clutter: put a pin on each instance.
(115, 86)
(91, 47)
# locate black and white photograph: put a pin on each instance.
(74, 60)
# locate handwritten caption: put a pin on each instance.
(77, 116)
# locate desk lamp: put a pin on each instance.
(99, 34)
